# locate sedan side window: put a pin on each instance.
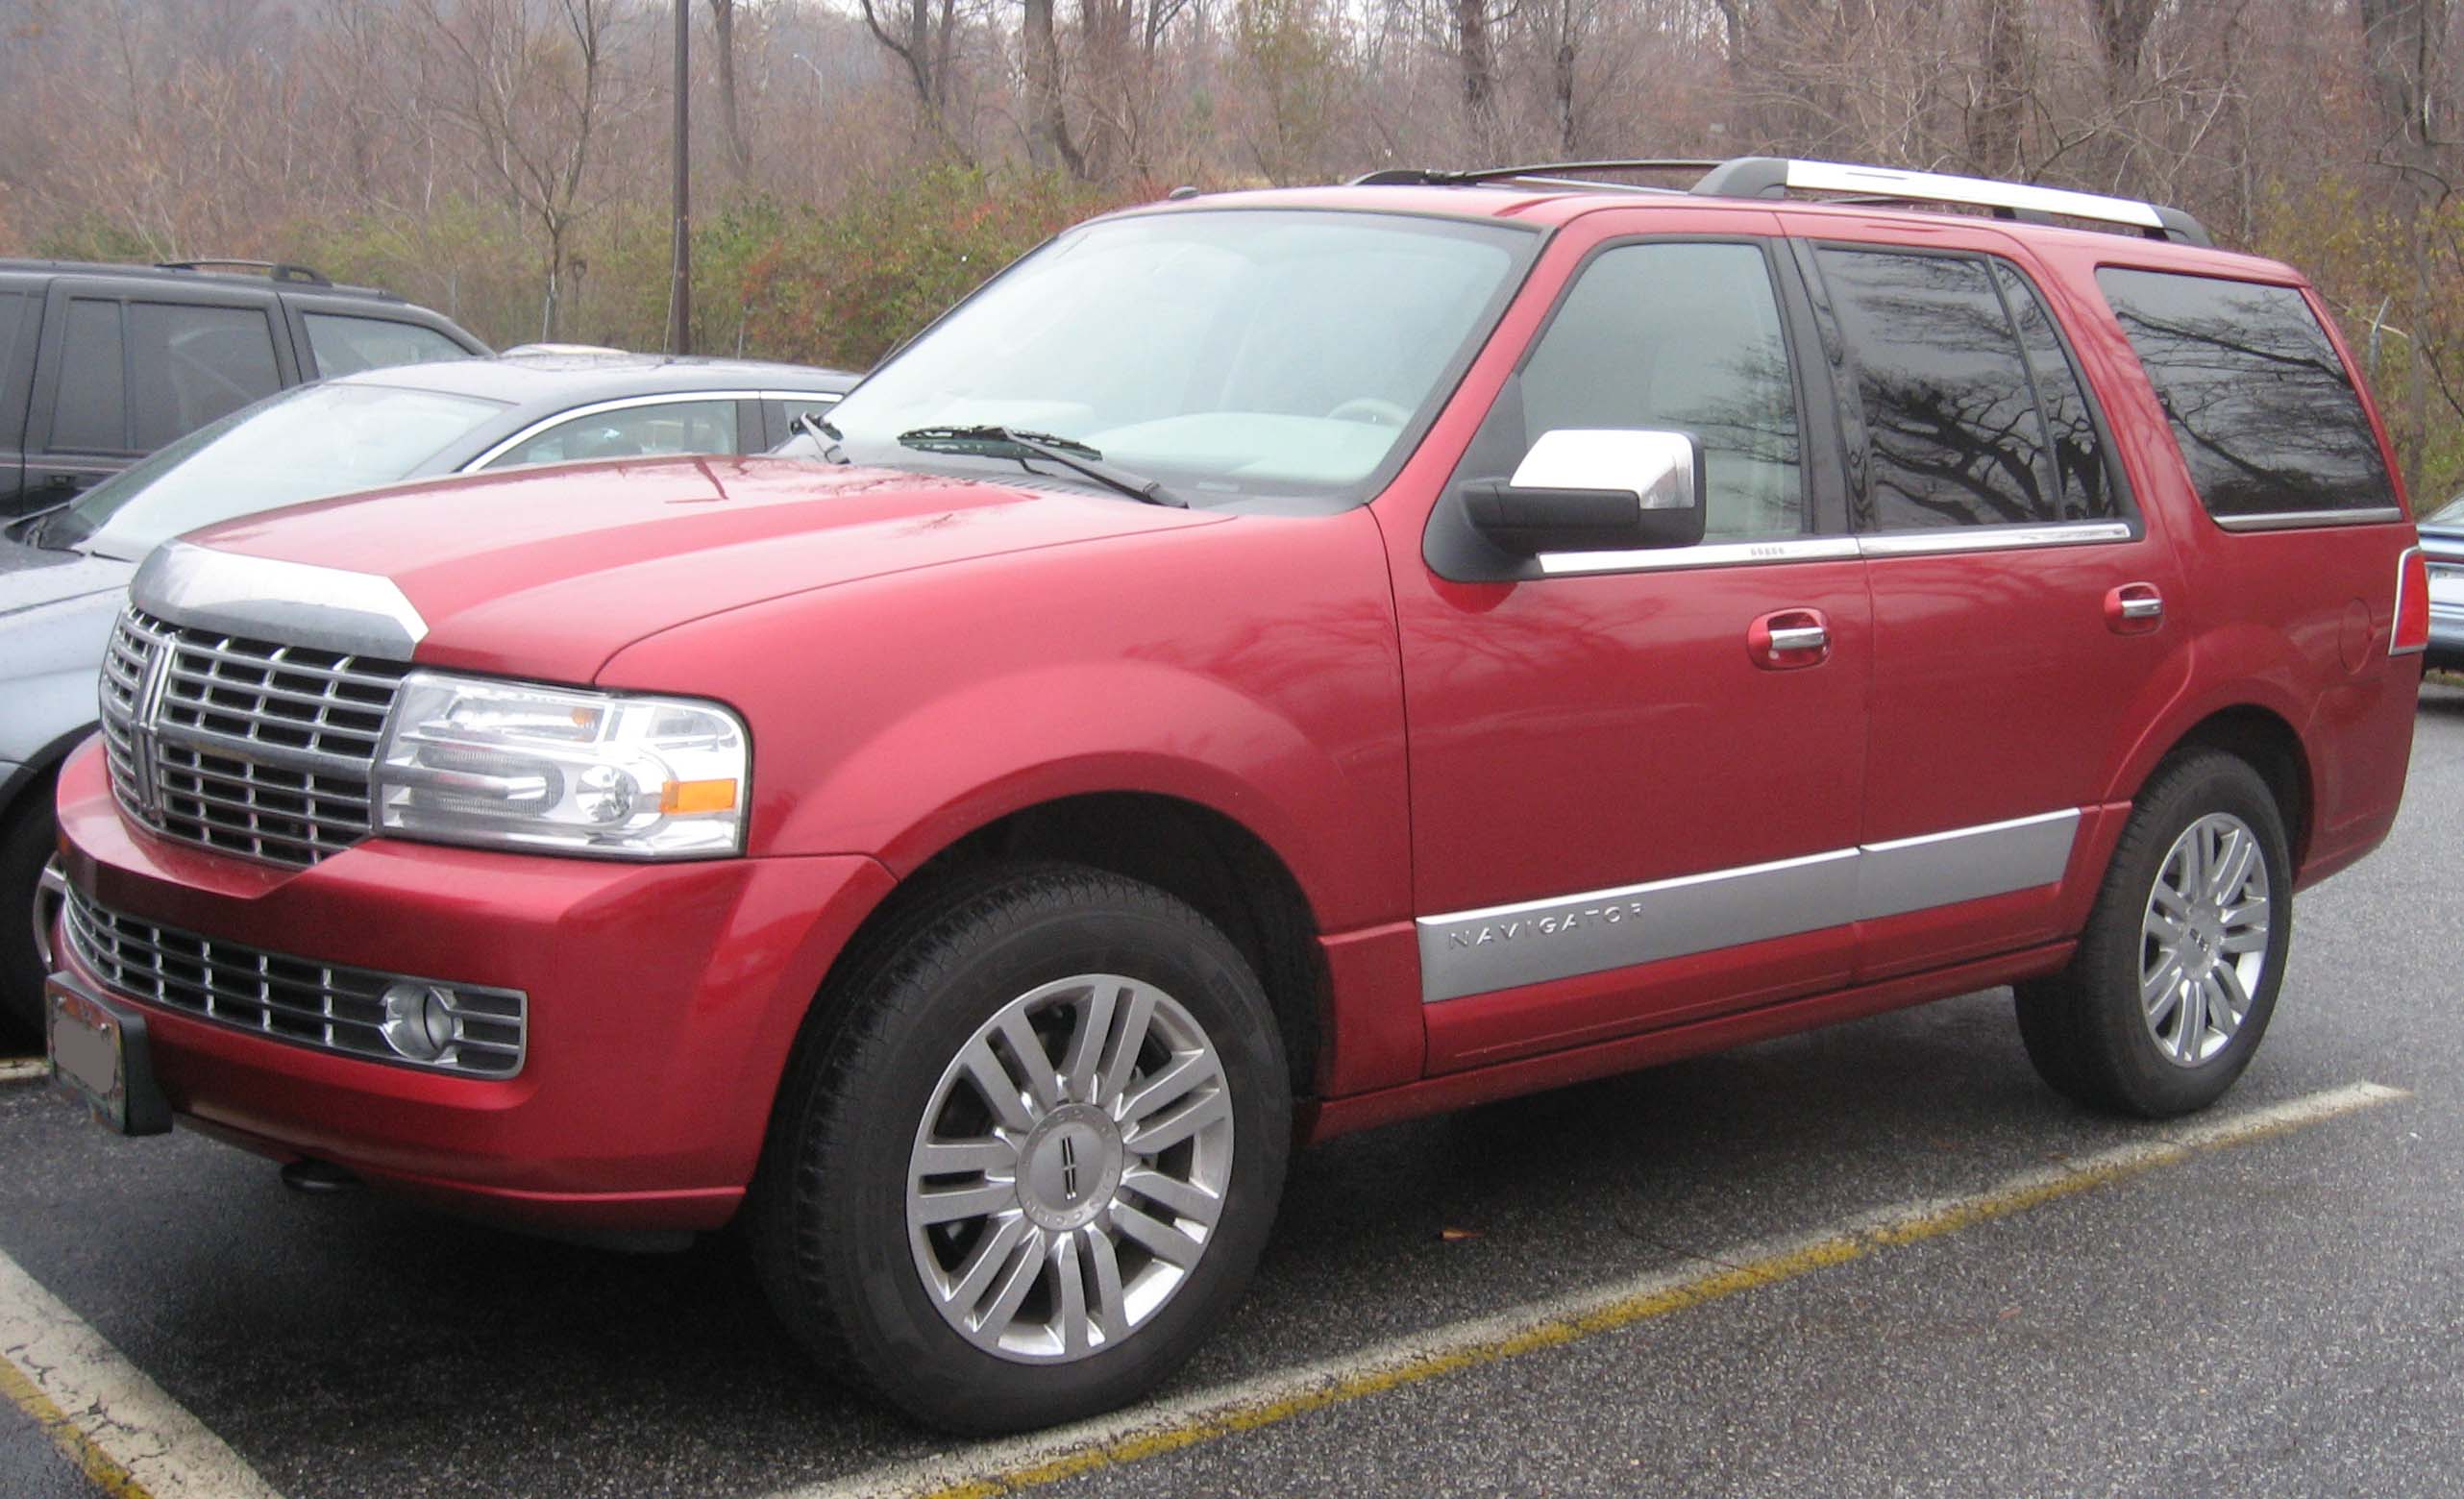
(1682, 335)
(661, 429)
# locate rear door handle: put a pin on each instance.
(1786, 639)
(2134, 609)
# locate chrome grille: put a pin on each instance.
(293, 999)
(241, 745)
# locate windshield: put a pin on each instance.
(1225, 353)
(303, 444)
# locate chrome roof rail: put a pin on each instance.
(1771, 177)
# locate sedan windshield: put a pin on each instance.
(1224, 353)
(2452, 513)
(303, 444)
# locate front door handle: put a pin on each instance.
(1786, 639)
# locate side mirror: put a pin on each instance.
(1594, 490)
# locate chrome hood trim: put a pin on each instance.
(294, 603)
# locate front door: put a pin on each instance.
(1629, 804)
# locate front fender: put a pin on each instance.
(1250, 668)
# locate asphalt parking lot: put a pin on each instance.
(1878, 1259)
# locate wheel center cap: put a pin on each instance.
(1070, 1166)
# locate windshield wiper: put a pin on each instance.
(813, 425)
(34, 528)
(1002, 442)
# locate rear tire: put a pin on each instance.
(2172, 986)
(1028, 1156)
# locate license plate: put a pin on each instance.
(98, 1055)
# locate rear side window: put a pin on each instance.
(189, 366)
(1955, 432)
(345, 345)
(2083, 486)
(2266, 417)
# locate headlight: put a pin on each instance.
(468, 760)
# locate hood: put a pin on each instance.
(546, 572)
(32, 578)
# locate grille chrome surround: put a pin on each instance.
(308, 1003)
(242, 745)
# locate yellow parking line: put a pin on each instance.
(1007, 1466)
(92, 1460)
(102, 1412)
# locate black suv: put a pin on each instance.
(102, 364)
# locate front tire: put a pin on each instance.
(2173, 984)
(28, 836)
(1030, 1155)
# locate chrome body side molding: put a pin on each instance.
(297, 603)
(1533, 942)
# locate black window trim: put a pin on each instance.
(1449, 549)
(2127, 526)
(2265, 520)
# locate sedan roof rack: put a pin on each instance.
(275, 270)
(1770, 177)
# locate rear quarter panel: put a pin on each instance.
(2294, 622)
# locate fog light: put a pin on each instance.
(419, 1021)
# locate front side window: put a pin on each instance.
(346, 345)
(1683, 336)
(2266, 418)
(664, 429)
(1226, 353)
(1954, 433)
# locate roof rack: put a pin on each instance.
(1537, 171)
(1772, 177)
(1769, 177)
(275, 270)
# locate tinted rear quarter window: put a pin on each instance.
(2267, 420)
(89, 412)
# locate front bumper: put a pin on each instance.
(663, 1000)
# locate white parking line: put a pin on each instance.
(23, 1070)
(115, 1424)
(1005, 1466)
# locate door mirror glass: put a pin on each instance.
(1591, 489)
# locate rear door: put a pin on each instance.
(1626, 812)
(2020, 642)
(125, 368)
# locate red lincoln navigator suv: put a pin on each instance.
(1265, 665)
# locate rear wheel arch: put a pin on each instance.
(2265, 741)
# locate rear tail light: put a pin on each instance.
(2412, 605)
